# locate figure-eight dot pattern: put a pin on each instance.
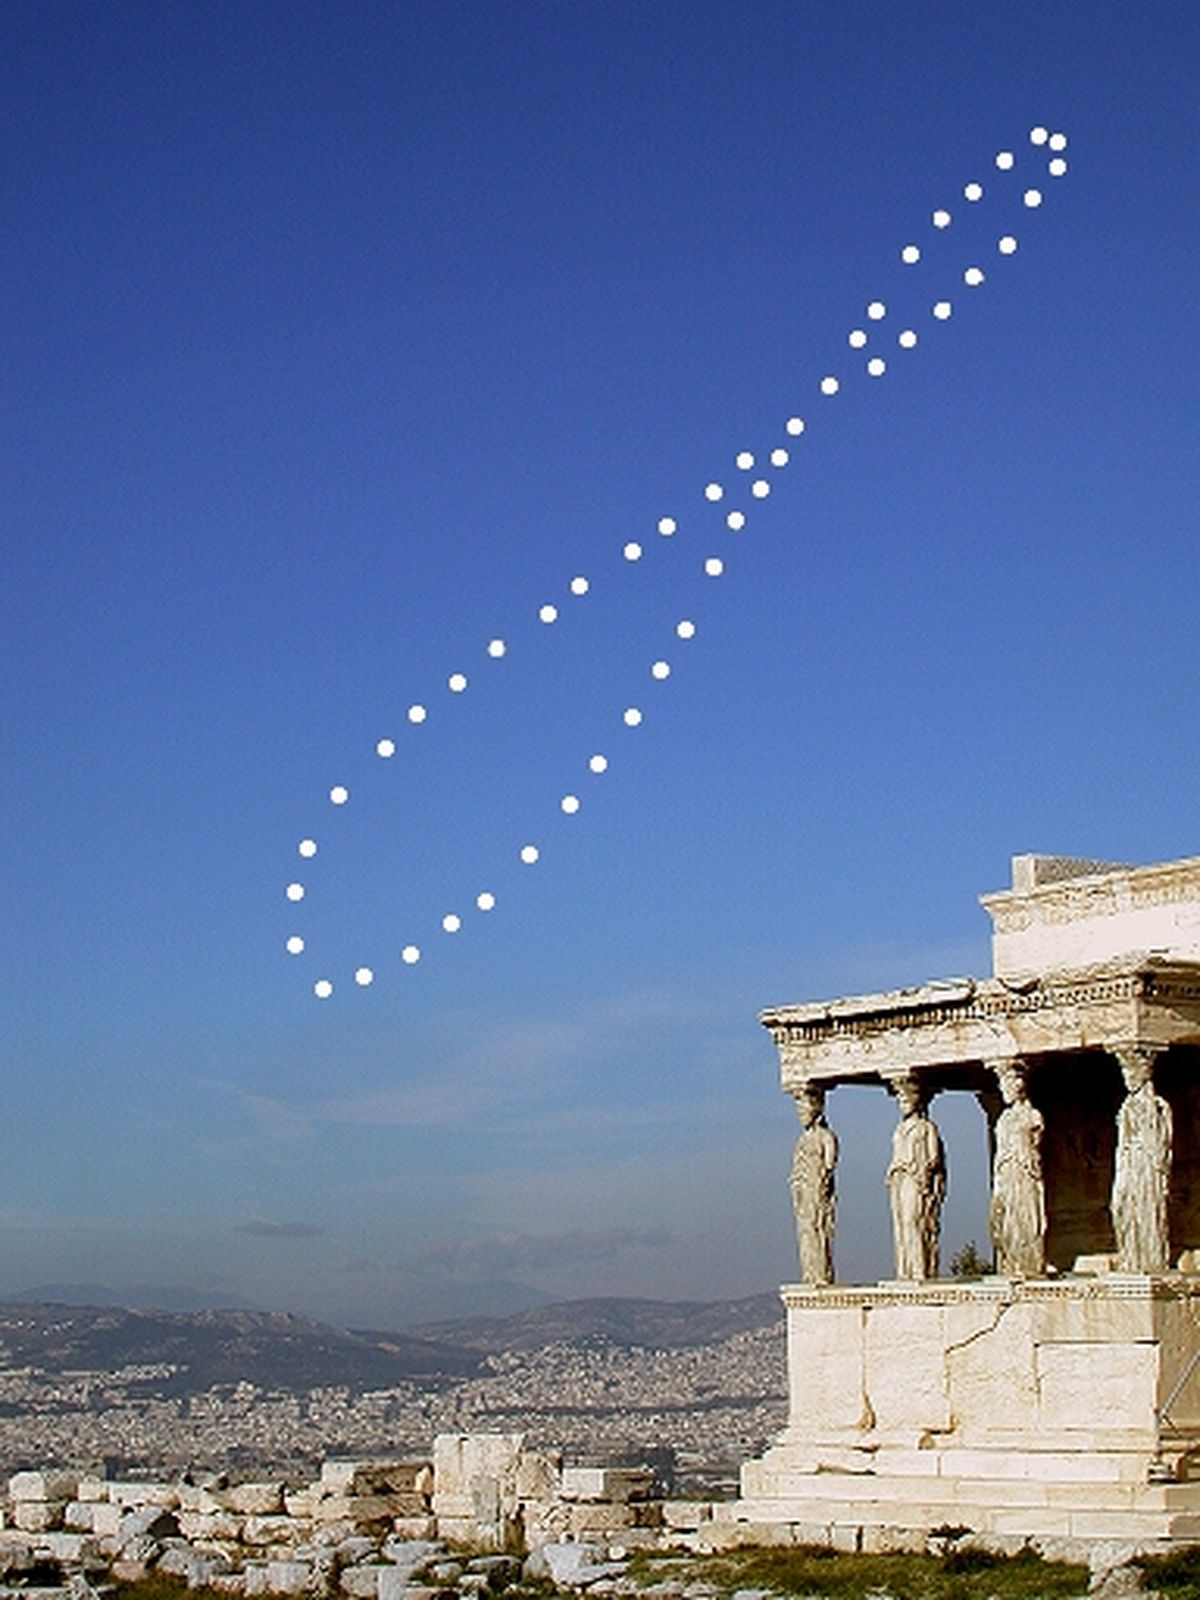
(868, 335)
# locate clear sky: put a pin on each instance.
(338, 339)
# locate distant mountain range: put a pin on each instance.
(279, 1351)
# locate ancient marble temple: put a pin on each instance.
(1058, 1395)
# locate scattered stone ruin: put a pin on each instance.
(1057, 1397)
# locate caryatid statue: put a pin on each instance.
(916, 1181)
(1017, 1214)
(1142, 1169)
(812, 1186)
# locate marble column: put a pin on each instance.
(812, 1184)
(1017, 1211)
(1142, 1165)
(916, 1181)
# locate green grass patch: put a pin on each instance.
(1177, 1573)
(813, 1570)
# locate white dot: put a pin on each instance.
(907, 339)
(1033, 197)
(386, 748)
(417, 713)
(529, 854)
(829, 385)
(856, 338)
(713, 491)
(411, 954)
(633, 551)
(973, 277)
(877, 311)
(1038, 135)
(973, 191)
(486, 901)
(877, 366)
(339, 794)
(910, 254)
(714, 566)
(496, 648)
(942, 310)
(307, 848)
(666, 526)
(457, 682)
(1007, 245)
(686, 629)
(632, 717)
(1058, 141)
(794, 426)
(598, 763)
(295, 892)
(295, 945)
(579, 586)
(1004, 160)
(660, 670)
(451, 923)
(570, 804)
(1057, 167)
(941, 219)
(322, 988)
(745, 460)
(760, 488)
(779, 458)
(363, 976)
(736, 521)
(548, 614)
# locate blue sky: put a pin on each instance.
(339, 338)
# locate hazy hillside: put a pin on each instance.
(644, 1324)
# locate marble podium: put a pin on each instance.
(1058, 1399)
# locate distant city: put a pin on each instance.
(693, 1388)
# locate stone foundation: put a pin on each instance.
(1049, 1409)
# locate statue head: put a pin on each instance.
(1137, 1069)
(910, 1096)
(810, 1103)
(1011, 1077)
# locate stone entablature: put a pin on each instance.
(966, 1022)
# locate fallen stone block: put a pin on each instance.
(92, 1488)
(255, 1499)
(43, 1486)
(618, 1484)
(498, 1569)
(228, 1583)
(301, 1502)
(152, 1521)
(72, 1549)
(38, 1516)
(571, 1565)
(361, 1509)
(410, 1555)
(271, 1530)
(254, 1575)
(423, 1527)
(686, 1513)
(106, 1520)
(198, 1500)
(140, 1548)
(360, 1583)
(123, 1493)
(79, 1516)
(289, 1577)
